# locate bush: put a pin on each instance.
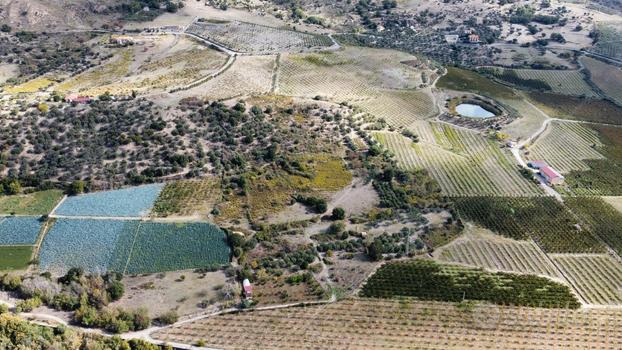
(338, 214)
(167, 318)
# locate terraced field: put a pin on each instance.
(255, 38)
(463, 162)
(481, 248)
(597, 278)
(565, 146)
(364, 324)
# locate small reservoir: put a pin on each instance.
(473, 111)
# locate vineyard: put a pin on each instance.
(428, 280)
(607, 77)
(111, 72)
(565, 146)
(599, 216)
(255, 38)
(370, 324)
(249, 75)
(132, 247)
(19, 230)
(496, 253)
(128, 202)
(400, 108)
(564, 82)
(187, 197)
(463, 162)
(597, 278)
(545, 220)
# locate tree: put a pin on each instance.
(76, 187)
(13, 187)
(338, 214)
(375, 250)
(116, 290)
(5, 28)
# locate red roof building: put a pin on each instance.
(78, 99)
(551, 176)
(473, 38)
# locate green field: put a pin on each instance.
(15, 257)
(37, 203)
(543, 219)
(428, 280)
(599, 216)
(464, 80)
(577, 108)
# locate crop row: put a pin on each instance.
(565, 146)
(463, 162)
(504, 255)
(598, 278)
(600, 217)
(544, 219)
(185, 197)
(565, 82)
(400, 107)
(428, 280)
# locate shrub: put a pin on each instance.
(338, 214)
(167, 318)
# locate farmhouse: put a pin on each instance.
(451, 38)
(551, 176)
(537, 164)
(77, 98)
(122, 40)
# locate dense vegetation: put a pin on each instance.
(428, 280)
(600, 217)
(16, 333)
(40, 53)
(87, 296)
(542, 219)
(577, 108)
(603, 178)
(464, 80)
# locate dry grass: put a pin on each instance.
(30, 86)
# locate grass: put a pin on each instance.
(29, 86)
(577, 108)
(465, 80)
(15, 257)
(37, 203)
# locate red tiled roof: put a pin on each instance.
(550, 172)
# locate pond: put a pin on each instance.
(473, 111)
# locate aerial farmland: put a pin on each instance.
(224, 174)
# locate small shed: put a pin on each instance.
(248, 288)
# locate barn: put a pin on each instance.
(551, 176)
